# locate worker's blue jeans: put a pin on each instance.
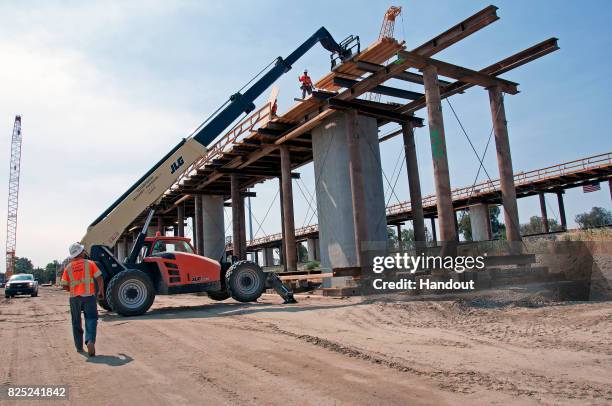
(89, 306)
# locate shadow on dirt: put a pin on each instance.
(111, 360)
(219, 310)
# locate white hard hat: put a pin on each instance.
(75, 250)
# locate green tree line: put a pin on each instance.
(596, 217)
(43, 275)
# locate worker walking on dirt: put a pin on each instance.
(306, 84)
(78, 278)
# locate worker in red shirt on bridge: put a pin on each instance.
(78, 278)
(306, 84)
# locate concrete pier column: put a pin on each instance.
(198, 224)
(118, 250)
(399, 236)
(126, 246)
(161, 227)
(337, 179)
(544, 213)
(434, 235)
(268, 256)
(480, 222)
(238, 247)
(456, 224)
(213, 227)
(562, 210)
(360, 230)
(287, 209)
(504, 163)
(444, 202)
(281, 258)
(122, 251)
(180, 216)
(312, 246)
(414, 184)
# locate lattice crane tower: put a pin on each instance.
(388, 24)
(13, 198)
(386, 31)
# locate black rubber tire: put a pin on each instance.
(245, 281)
(7, 296)
(218, 295)
(126, 283)
(34, 294)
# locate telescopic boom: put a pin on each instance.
(109, 226)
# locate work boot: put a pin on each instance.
(91, 349)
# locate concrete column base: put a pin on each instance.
(213, 227)
(480, 222)
(268, 256)
(312, 245)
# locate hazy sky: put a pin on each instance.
(106, 88)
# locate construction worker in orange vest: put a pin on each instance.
(78, 278)
(306, 84)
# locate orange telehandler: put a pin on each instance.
(168, 265)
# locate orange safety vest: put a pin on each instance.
(306, 81)
(79, 275)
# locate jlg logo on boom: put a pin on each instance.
(177, 164)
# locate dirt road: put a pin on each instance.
(322, 351)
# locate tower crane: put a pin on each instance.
(386, 31)
(13, 198)
(388, 24)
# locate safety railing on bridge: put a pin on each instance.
(299, 232)
(520, 178)
(227, 141)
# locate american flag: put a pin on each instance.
(593, 187)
